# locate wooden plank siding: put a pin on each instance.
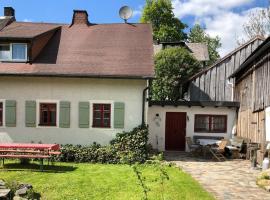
(252, 90)
(212, 83)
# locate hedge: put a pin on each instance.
(127, 147)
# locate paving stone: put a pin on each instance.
(4, 193)
(229, 180)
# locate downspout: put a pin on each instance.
(232, 86)
(143, 104)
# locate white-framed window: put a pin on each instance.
(1, 113)
(13, 52)
(4, 51)
(101, 114)
(47, 113)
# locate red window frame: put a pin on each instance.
(1, 113)
(99, 118)
(211, 128)
(50, 118)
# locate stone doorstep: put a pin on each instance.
(4, 192)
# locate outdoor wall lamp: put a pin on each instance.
(157, 119)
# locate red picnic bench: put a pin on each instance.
(28, 151)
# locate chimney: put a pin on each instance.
(9, 12)
(80, 17)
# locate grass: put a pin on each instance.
(96, 181)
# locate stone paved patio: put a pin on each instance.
(229, 180)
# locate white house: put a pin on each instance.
(171, 122)
(73, 83)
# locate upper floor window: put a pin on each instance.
(13, 52)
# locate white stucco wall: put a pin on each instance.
(157, 125)
(73, 90)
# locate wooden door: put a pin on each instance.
(175, 131)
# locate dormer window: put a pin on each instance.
(13, 52)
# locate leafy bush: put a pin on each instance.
(132, 146)
(127, 147)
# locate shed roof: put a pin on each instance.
(226, 57)
(255, 54)
(196, 103)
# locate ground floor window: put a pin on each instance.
(47, 114)
(210, 123)
(102, 115)
(1, 113)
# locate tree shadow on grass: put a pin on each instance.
(33, 167)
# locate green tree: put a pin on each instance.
(172, 67)
(166, 27)
(198, 34)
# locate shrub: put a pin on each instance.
(132, 146)
(127, 147)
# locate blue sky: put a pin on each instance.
(223, 18)
(100, 11)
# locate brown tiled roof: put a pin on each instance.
(199, 51)
(5, 21)
(26, 29)
(106, 50)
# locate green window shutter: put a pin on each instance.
(30, 114)
(10, 113)
(64, 117)
(84, 114)
(119, 115)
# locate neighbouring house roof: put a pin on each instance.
(199, 51)
(253, 56)
(226, 57)
(83, 50)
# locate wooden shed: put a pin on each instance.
(252, 90)
(213, 83)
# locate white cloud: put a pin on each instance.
(218, 18)
(205, 7)
(138, 12)
(27, 20)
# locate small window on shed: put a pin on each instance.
(210, 123)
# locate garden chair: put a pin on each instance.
(218, 151)
(195, 149)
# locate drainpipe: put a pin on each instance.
(232, 86)
(143, 104)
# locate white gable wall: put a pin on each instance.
(73, 90)
(157, 124)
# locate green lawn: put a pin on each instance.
(97, 181)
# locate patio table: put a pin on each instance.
(205, 142)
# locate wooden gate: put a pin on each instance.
(175, 131)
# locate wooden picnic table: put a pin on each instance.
(29, 151)
(53, 147)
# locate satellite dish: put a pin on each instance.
(125, 13)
